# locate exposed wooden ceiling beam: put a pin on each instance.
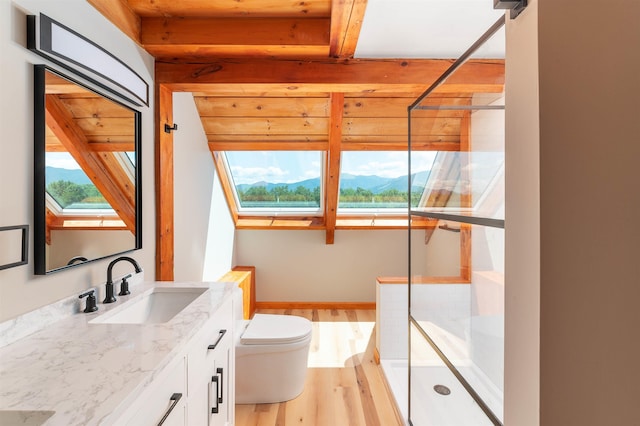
(120, 195)
(332, 179)
(331, 75)
(231, 8)
(164, 184)
(235, 37)
(346, 21)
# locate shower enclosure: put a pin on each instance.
(456, 324)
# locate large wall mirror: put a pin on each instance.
(87, 192)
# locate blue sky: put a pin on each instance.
(294, 166)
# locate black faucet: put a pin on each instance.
(109, 297)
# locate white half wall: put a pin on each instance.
(298, 266)
(203, 227)
(20, 290)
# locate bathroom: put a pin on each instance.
(380, 252)
(202, 255)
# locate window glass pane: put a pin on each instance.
(69, 185)
(378, 180)
(276, 180)
(471, 180)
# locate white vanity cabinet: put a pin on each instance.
(201, 379)
(164, 402)
(211, 374)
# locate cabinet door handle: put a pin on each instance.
(216, 407)
(220, 371)
(220, 336)
(175, 398)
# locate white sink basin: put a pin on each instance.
(156, 306)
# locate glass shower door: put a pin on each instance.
(456, 356)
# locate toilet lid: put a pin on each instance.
(268, 329)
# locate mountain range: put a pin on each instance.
(53, 174)
(373, 183)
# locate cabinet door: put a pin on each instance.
(221, 397)
(208, 387)
(164, 402)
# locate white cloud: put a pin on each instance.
(61, 160)
(257, 174)
(389, 169)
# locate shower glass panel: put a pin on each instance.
(457, 327)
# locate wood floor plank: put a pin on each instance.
(344, 385)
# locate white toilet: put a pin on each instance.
(271, 358)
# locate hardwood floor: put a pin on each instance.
(344, 386)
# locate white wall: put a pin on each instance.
(572, 214)
(522, 222)
(20, 290)
(299, 266)
(204, 230)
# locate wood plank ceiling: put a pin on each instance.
(281, 75)
(263, 72)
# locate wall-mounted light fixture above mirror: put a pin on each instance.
(76, 53)
(87, 174)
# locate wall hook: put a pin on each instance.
(168, 129)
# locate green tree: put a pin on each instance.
(280, 193)
(258, 193)
(66, 192)
(392, 196)
(93, 195)
(303, 194)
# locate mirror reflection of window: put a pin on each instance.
(70, 186)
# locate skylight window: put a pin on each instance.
(272, 182)
(377, 182)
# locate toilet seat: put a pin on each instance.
(269, 329)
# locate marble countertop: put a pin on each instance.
(89, 373)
